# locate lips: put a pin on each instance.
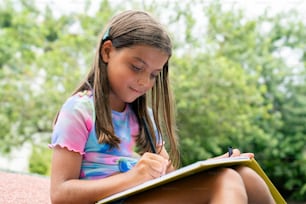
(137, 91)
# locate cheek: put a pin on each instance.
(151, 84)
(118, 77)
(113, 71)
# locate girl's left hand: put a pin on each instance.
(237, 153)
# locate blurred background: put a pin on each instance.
(238, 74)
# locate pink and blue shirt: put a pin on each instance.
(75, 130)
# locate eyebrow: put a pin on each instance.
(142, 61)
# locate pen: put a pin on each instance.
(230, 151)
(149, 135)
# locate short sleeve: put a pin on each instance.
(73, 124)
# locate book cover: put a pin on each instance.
(195, 168)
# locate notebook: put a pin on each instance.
(196, 168)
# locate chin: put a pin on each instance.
(131, 100)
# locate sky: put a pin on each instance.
(252, 7)
(256, 7)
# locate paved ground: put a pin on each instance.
(30, 189)
(23, 188)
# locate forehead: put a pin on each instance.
(148, 55)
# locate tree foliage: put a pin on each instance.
(275, 55)
(238, 82)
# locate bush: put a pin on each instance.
(40, 160)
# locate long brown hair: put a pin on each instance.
(127, 29)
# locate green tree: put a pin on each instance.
(216, 96)
(264, 47)
(16, 55)
(42, 60)
(234, 82)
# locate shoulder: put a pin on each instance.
(79, 99)
(81, 102)
(74, 123)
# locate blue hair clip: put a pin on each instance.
(106, 35)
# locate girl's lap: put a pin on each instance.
(197, 188)
(223, 185)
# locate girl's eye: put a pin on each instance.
(137, 69)
(154, 75)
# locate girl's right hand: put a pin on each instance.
(150, 166)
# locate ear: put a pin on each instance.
(106, 49)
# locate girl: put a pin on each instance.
(105, 135)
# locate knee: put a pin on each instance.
(257, 190)
(229, 176)
(249, 175)
(246, 171)
(230, 182)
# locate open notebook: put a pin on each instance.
(195, 168)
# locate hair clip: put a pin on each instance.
(106, 35)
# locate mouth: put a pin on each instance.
(137, 91)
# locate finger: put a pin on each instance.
(156, 163)
(163, 158)
(236, 152)
(165, 165)
(248, 154)
(147, 166)
(157, 169)
(160, 147)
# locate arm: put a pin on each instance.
(66, 187)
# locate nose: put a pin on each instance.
(144, 80)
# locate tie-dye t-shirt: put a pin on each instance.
(75, 130)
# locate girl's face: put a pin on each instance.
(132, 71)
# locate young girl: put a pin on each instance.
(105, 135)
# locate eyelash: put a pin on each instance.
(154, 76)
(137, 69)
